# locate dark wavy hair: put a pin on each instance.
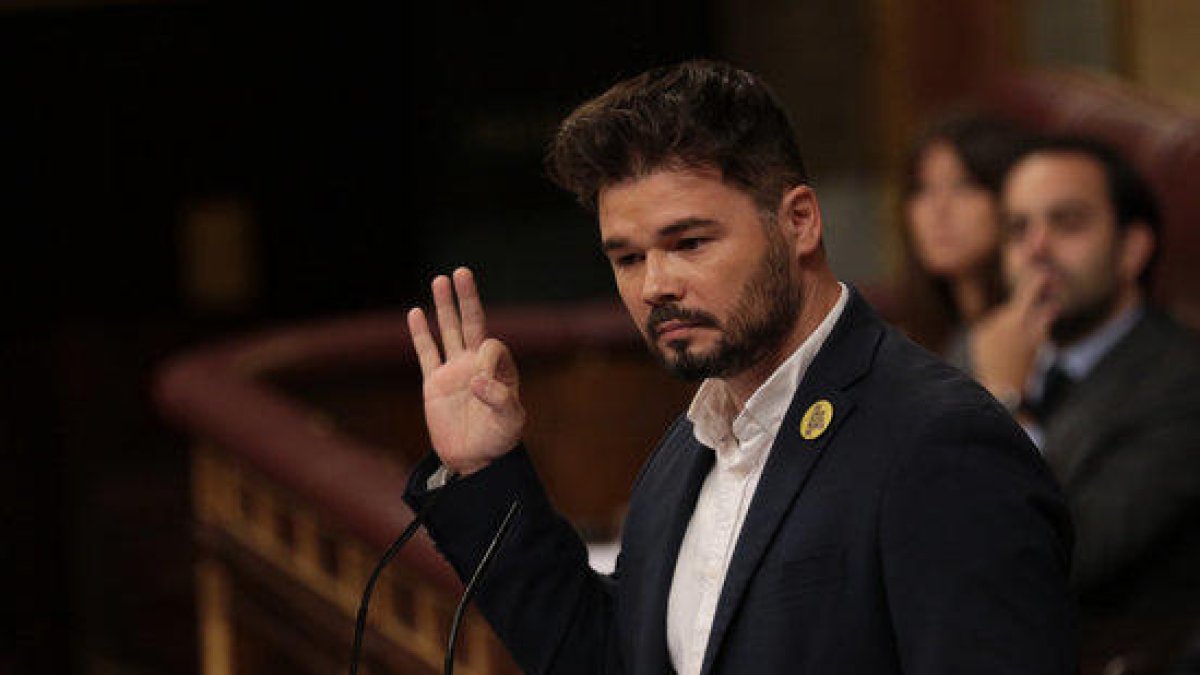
(695, 114)
(987, 147)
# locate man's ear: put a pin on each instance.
(800, 219)
(1137, 247)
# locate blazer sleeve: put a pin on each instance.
(549, 608)
(976, 544)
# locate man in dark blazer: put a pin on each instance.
(1111, 386)
(836, 500)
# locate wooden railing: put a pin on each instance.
(303, 437)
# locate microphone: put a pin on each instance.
(360, 623)
(468, 593)
(476, 576)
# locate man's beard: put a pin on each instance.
(1073, 323)
(1091, 303)
(761, 320)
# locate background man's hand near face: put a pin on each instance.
(1004, 343)
(472, 406)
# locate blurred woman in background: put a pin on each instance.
(951, 236)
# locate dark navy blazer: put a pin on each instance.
(919, 533)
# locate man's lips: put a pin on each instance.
(673, 328)
(673, 323)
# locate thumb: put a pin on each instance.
(491, 392)
(496, 362)
(495, 383)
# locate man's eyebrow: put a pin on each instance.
(676, 228)
(614, 243)
(685, 224)
(1070, 207)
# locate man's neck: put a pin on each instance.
(817, 299)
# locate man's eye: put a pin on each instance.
(690, 243)
(1069, 222)
(1014, 228)
(627, 260)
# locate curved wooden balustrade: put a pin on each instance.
(304, 436)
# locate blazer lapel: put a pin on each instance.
(846, 356)
(1071, 434)
(678, 485)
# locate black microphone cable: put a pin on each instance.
(472, 585)
(481, 569)
(360, 624)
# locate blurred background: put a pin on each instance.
(181, 172)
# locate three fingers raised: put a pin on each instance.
(460, 320)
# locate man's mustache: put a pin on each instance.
(663, 313)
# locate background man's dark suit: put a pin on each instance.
(1125, 444)
(920, 533)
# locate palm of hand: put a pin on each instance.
(461, 426)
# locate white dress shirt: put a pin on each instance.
(741, 440)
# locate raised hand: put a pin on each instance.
(1004, 343)
(472, 403)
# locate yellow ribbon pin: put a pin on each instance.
(816, 419)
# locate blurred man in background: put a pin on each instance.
(1109, 386)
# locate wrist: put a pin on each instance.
(462, 467)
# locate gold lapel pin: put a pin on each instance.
(816, 419)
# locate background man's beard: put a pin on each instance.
(1075, 323)
(764, 315)
(1090, 310)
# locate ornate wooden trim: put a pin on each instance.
(242, 509)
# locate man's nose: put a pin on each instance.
(940, 201)
(1037, 239)
(660, 284)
